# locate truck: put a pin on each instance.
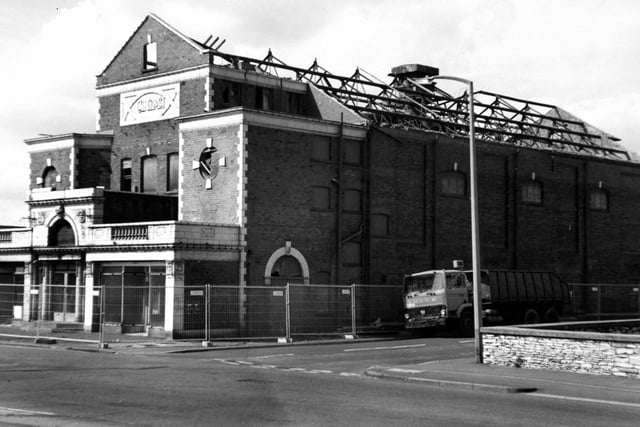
(437, 298)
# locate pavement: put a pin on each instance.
(461, 373)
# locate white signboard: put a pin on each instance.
(148, 105)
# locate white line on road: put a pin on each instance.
(395, 347)
(428, 363)
(466, 341)
(585, 399)
(409, 371)
(273, 355)
(350, 374)
(9, 411)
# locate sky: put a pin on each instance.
(581, 55)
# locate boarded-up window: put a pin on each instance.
(454, 183)
(351, 253)
(599, 200)
(172, 172)
(321, 149)
(352, 153)
(380, 225)
(532, 192)
(352, 200)
(321, 198)
(149, 174)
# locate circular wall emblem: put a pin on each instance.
(209, 163)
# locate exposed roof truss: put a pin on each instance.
(410, 104)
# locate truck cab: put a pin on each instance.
(430, 296)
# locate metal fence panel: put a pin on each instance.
(378, 307)
(11, 302)
(320, 309)
(605, 301)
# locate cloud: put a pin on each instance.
(579, 55)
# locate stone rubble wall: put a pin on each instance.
(584, 352)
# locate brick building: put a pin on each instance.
(214, 168)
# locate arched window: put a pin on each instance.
(286, 269)
(49, 177)
(61, 234)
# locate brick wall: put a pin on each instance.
(280, 178)
(429, 229)
(60, 160)
(161, 137)
(221, 273)
(218, 204)
(174, 53)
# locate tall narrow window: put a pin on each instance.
(172, 172)
(532, 192)
(49, 177)
(321, 198)
(150, 56)
(599, 200)
(125, 175)
(263, 98)
(352, 200)
(149, 174)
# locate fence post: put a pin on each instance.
(101, 344)
(287, 314)
(207, 313)
(353, 310)
(599, 302)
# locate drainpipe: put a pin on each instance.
(338, 183)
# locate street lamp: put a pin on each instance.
(475, 232)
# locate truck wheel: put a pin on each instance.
(551, 315)
(531, 316)
(465, 323)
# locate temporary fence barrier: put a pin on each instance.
(605, 301)
(218, 312)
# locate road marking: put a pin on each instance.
(395, 347)
(318, 371)
(244, 363)
(273, 355)
(586, 399)
(409, 371)
(14, 411)
(466, 341)
(350, 374)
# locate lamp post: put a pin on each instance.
(475, 232)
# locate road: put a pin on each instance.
(300, 385)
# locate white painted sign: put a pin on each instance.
(346, 291)
(278, 293)
(197, 293)
(148, 105)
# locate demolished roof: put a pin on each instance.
(408, 103)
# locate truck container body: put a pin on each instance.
(444, 297)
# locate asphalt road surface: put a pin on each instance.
(300, 385)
